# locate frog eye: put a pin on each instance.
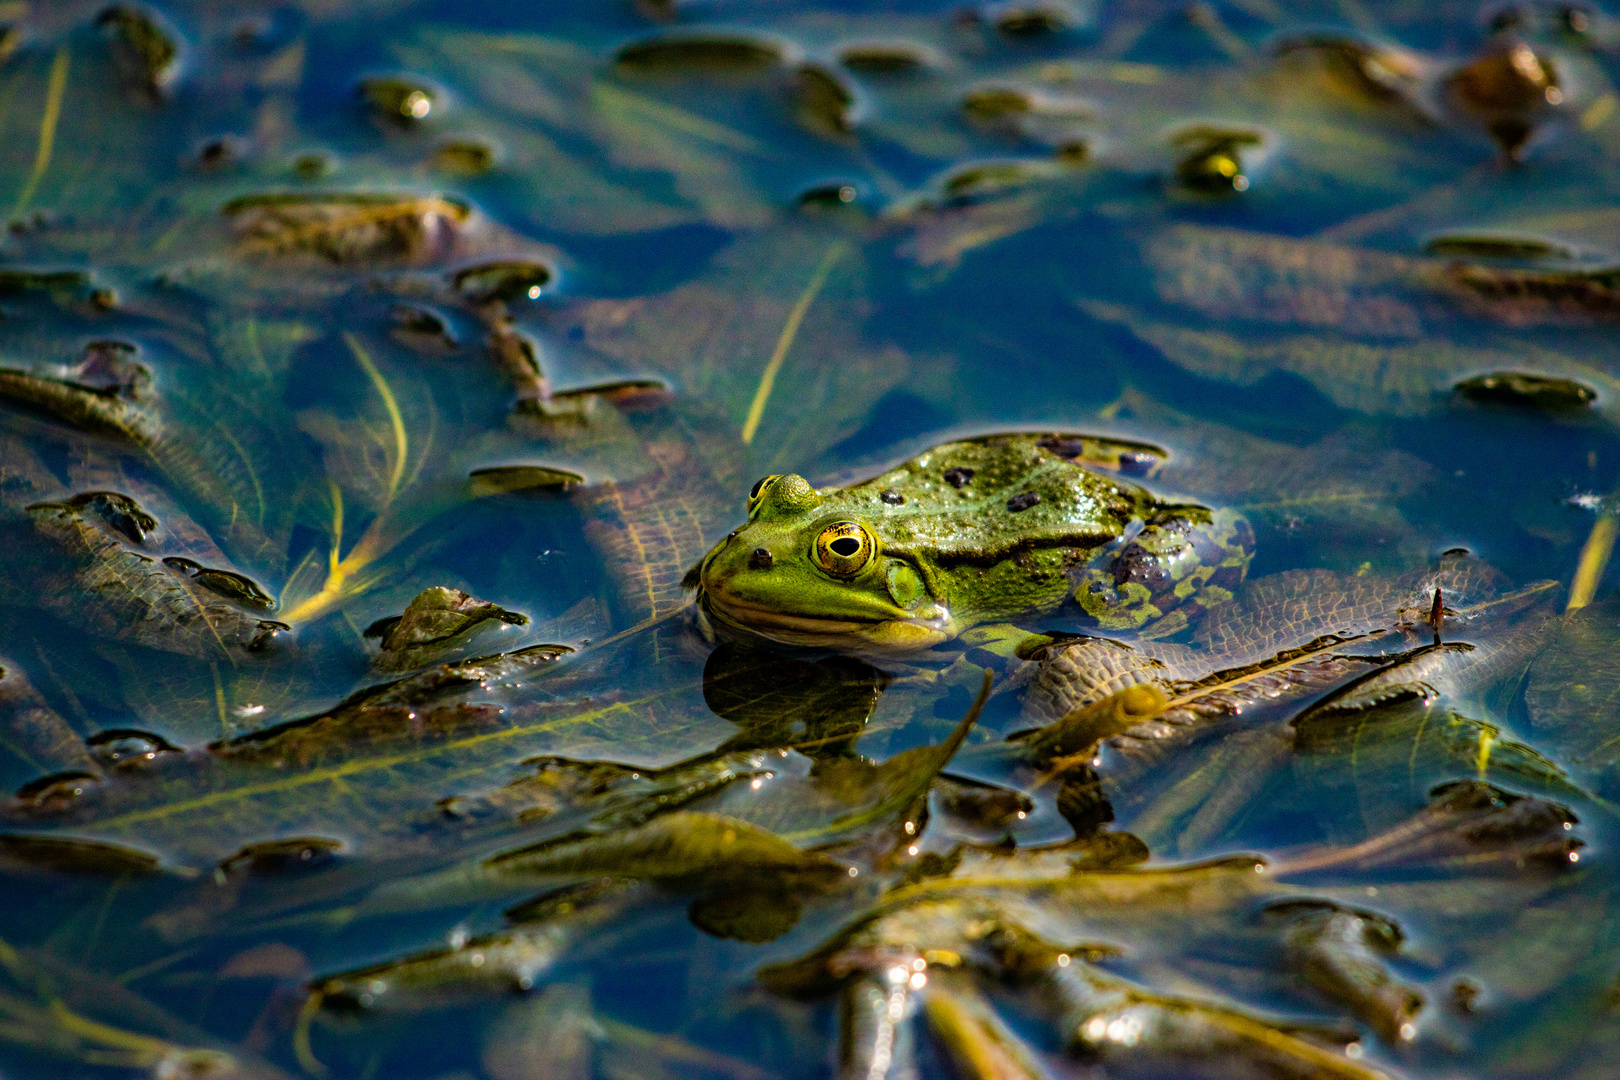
(845, 548)
(761, 486)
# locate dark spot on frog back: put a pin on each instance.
(958, 477)
(1022, 501)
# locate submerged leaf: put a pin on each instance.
(91, 404)
(1341, 953)
(32, 733)
(1573, 694)
(1469, 826)
(124, 592)
(503, 962)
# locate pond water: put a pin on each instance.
(374, 372)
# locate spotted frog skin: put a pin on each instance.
(991, 529)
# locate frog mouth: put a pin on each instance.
(882, 635)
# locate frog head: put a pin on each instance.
(813, 571)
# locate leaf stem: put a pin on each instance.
(1594, 559)
(790, 330)
(374, 542)
(47, 130)
(401, 442)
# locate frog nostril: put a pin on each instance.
(760, 559)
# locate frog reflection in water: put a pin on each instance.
(991, 529)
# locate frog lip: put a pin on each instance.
(810, 631)
(757, 617)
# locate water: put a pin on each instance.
(284, 281)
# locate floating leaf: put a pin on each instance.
(1527, 391)
(507, 279)
(347, 228)
(1495, 246)
(75, 856)
(398, 99)
(522, 479)
(1507, 88)
(438, 620)
(681, 845)
(700, 50)
(281, 856)
(1211, 162)
(227, 583)
(147, 47)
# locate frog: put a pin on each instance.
(993, 529)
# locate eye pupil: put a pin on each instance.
(753, 492)
(844, 549)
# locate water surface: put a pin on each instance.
(283, 282)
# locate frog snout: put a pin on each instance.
(761, 559)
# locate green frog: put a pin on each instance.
(983, 530)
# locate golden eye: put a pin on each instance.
(845, 548)
(757, 492)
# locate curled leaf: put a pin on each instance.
(1342, 952)
(146, 46)
(281, 856)
(522, 479)
(437, 620)
(503, 279)
(227, 583)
